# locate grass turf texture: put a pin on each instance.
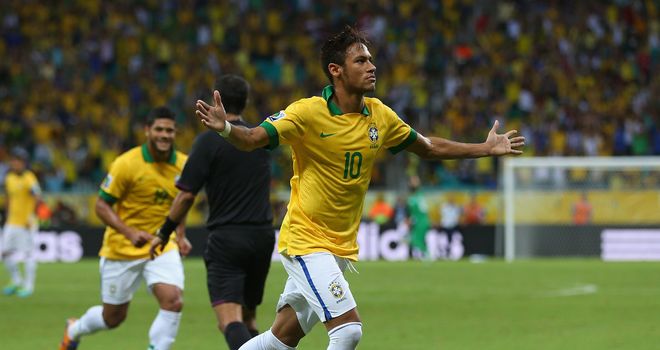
(544, 304)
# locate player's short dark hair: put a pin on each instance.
(334, 49)
(20, 153)
(160, 112)
(234, 91)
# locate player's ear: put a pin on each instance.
(334, 69)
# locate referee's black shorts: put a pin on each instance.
(237, 261)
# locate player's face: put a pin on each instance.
(161, 135)
(16, 164)
(359, 71)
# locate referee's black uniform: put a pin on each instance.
(241, 236)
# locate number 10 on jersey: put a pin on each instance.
(352, 164)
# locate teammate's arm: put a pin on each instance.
(215, 118)
(109, 217)
(175, 220)
(495, 145)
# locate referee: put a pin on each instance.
(241, 239)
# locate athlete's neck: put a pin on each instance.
(233, 117)
(348, 102)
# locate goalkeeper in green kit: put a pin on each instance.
(418, 220)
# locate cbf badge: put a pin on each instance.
(336, 290)
(373, 135)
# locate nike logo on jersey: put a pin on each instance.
(326, 135)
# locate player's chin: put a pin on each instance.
(370, 87)
(164, 146)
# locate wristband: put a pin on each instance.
(165, 231)
(225, 133)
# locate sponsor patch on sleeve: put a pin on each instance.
(276, 116)
(106, 182)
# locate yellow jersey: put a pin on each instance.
(142, 191)
(333, 154)
(22, 192)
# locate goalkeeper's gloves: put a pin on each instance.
(166, 230)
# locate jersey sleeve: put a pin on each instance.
(35, 189)
(400, 135)
(115, 183)
(286, 127)
(196, 171)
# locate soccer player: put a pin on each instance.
(23, 193)
(135, 195)
(334, 139)
(418, 218)
(241, 240)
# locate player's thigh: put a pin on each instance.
(292, 304)
(166, 269)
(16, 239)
(225, 260)
(120, 279)
(320, 279)
(257, 272)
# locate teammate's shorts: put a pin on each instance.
(121, 278)
(316, 288)
(237, 262)
(16, 239)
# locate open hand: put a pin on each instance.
(213, 117)
(502, 144)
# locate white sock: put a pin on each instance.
(265, 341)
(345, 336)
(89, 323)
(11, 263)
(30, 272)
(164, 329)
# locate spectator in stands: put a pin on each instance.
(582, 210)
(580, 76)
(381, 211)
(473, 212)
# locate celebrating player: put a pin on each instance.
(334, 140)
(135, 195)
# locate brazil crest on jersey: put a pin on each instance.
(333, 154)
(142, 191)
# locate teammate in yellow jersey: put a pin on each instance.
(334, 139)
(23, 192)
(134, 197)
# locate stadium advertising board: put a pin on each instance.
(377, 242)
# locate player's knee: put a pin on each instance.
(174, 304)
(345, 336)
(114, 319)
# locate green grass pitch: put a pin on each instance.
(544, 304)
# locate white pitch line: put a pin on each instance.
(573, 291)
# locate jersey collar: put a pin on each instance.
(327, 93)
(150, 159)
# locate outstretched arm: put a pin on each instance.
(495, 145)
(215, 118)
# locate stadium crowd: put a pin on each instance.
(576, 78)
